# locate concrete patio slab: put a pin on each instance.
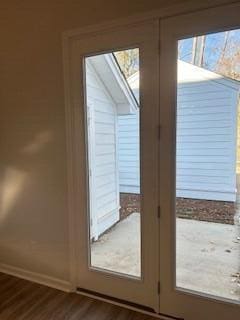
(208, 258)
(208, 254)
(118, 249)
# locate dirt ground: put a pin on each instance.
(203, 210)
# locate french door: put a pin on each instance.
(199, 246)
(154, 214)
(112, 111)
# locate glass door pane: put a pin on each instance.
(207, 165)
(113, 141)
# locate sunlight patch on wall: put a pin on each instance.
(12, 186)
(40, 140)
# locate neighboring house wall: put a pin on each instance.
(206, 134)
(128, 137)
(103, 174)
(206, 137)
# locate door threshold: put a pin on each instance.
(125, 304)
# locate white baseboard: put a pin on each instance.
(36, 277)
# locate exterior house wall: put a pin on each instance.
(102, 151)
(129, 169)
(206, 137)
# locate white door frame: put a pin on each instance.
(183, 303)
(145, 36)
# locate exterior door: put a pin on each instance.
(199, 229)
(114, 229)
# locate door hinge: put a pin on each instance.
(158, 288)
(159, 131)
(159, 212)
(159, 47)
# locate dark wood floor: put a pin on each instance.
(24, 300)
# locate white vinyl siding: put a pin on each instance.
(102, 130)
(206, 138)
(129, 169)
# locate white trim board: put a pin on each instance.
(45, 280)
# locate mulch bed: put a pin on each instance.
(203, 210)
(129, 203)
(206, 210)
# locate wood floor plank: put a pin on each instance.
(24, 300)
(7, 285)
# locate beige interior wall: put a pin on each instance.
(33, 186)
(33, 198)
